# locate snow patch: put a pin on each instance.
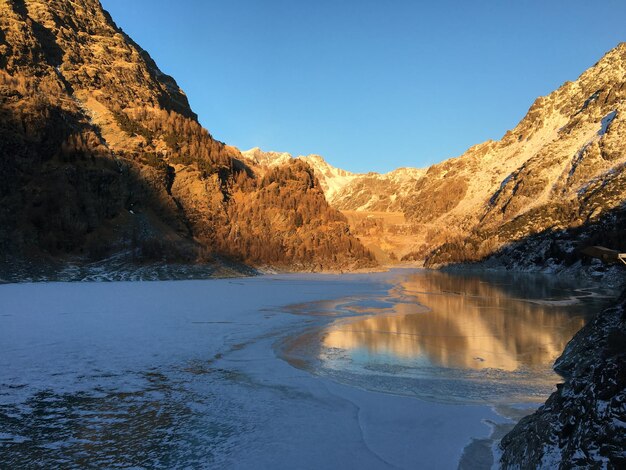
(606, 123)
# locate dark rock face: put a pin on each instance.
(563, 251)
(583, 423)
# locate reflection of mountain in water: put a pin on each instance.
(472, 324)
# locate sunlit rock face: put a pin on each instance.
(371, 202)
(559, 168)
(345, 190)
(102, 156)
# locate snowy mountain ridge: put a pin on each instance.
(346, 190)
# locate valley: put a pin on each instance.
(386, 234)
(298, 314)
(134, 172)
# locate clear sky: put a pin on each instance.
(370, 85)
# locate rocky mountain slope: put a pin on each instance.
(560, 168)
(372, 202)
(100, 153)
(344, 190)
(583, 423)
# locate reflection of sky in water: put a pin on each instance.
(457, 328)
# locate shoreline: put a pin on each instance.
(108, 271)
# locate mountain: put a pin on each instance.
(349, 191)
(376, 192)
(371, 202)
(552, 185)
(560, 168)
(100, 154)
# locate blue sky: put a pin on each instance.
(370, 85)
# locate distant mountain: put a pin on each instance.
(372, 202)
(100, 154)
(350, 191)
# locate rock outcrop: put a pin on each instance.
(583, 423)
(372, 202)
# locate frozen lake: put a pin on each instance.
(403, 369)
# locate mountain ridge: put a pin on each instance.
(557, 165)
(86, 108)
(344, 189)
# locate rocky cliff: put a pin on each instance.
(583, 423)
(100, 153)
(372, 202)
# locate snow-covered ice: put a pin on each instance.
(189, 374)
